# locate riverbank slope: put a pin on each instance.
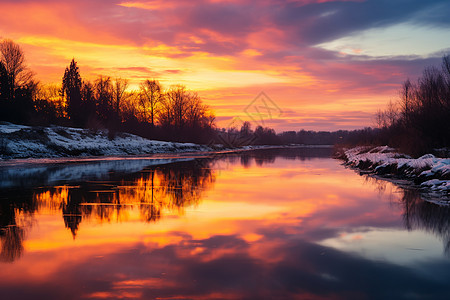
(19, 141)
(429, 173)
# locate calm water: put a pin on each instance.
(278, 224)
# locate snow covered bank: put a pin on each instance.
(18, 141)
(432, 174)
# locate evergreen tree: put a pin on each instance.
(71, 88)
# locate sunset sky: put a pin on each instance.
(326, 65)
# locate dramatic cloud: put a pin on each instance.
(308, 55)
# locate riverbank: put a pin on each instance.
(431, 174)
(19, 141)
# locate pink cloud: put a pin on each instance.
(270, 37)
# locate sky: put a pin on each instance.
(290, 65)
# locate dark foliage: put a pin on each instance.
(176, 114)
(420, 121)
(71, 89)
(17, 86)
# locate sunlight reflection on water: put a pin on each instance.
(264, 224)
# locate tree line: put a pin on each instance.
(175, 113)
(419, 121)
(17, 84)
(245, 135)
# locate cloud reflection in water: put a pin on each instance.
(203, 231)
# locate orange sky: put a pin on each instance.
(325, 65)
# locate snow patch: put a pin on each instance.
(430, 172)
(18, 141)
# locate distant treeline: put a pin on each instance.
(267, 136)
(419, 121)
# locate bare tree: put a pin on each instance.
(406, 99)
(175, 106)
(130, 106)
(12, 57)
(183, 108)
(150, 98)
(380, 119)
(199, 114)
(166, 113)
(388, 117)
(120, 87)
(17, 86)
(13, 60)
(195, 110)
(103, 90)
(391, 113)
(431, 86)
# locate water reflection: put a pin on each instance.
(15, 216)
(417, 213)
(152, 191)
(424, 215)
(268, 156)
(12, 243)
(277, 224)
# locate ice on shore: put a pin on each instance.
(428, 171)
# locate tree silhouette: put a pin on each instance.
(71, 88)
(17, 85)
(5, 86)
(197, 113)
(175, 107)
(120, 86)
(49, 103)
(176, 114)
(13, 59)
(420, 122)
(150, 97)
(88, 103)
(103, 90)
(183, 108)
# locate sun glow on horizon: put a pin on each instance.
(298, 52)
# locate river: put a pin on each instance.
(266, 224)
